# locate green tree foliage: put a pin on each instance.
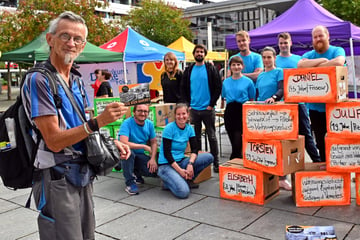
(20, 27)
(348, 10)
(159, 22)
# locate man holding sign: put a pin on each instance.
(323, 55)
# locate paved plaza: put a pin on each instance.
(155, 214)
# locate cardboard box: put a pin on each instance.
(247, 185)
(316, 187)
(357, 188)
(342, 154)
(278, 157)
(160, 114)
(296, 232)
(343, 119)
(270, 121)
(204, 175)
(158, 135)
(318, 84)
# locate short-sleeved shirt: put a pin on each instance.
(238, 90)
(39, 101)
(137, 133)
(179, 139)
(251, 62)
(199, 88)
(267, 83)
(331, 53)
(287, 62)
(104, 89)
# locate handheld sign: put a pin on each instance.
(133, 94)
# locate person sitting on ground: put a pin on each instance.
(105, 89)
(136, 132)
(175, 169)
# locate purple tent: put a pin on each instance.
(299, 21)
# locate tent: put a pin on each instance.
(187, 47)
(38, 50)
(299, 21)
(137, 48)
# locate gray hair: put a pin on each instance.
(67, 15)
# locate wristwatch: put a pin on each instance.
(274, 97)
(190, 163)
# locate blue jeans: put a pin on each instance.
(173, 180)
(208, 117)
(136, 165)
(305, 129)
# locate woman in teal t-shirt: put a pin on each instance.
(175, 169)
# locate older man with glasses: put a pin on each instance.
(137, 132)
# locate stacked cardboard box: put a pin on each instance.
(320, 184)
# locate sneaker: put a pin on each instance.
(139, 180)
(118, 168)
(192, 185)
(132, 189)
(163, 186)
(284, 184)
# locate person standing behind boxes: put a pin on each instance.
(105, 89)
(253, 64)
(270, 88)
(136, 132)
(236, 90)
(286, 59)
(201, 88)
(323, 55)
(171, 79)
(177, 171)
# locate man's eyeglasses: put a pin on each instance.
(65, 37)
(142, 111)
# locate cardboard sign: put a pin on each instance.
(247, 185)
(342, 154)
(160, 114)
(343, 119)
(133, 94)
(296, 232)
(270, 121)
(319, 84)
(320, 188)
(278, 157)
(357, 188)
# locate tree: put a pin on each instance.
(27, 22)
(346, 10)
(159, 22)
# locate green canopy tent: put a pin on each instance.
(38, 50)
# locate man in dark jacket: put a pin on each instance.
(201, 88)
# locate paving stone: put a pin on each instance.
(111, 189)
(7, 206)
(350, 214)
(33, 236)
(272, 225)
(284, 201)
(106, 210)
(6, 193)
(10, 221)
(206, 232)
(145, 225)
(209, 187)
(227, 214)
(161, 201)
(22, 199)
(354, 233)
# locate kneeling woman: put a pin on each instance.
(176, 170)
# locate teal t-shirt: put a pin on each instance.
(287, 62)
(251, 62)
(137, 133)
(331, 53)
(239, 90)
(179, 139)
(267, 83)
(199, 88)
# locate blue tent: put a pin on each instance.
(137, 48)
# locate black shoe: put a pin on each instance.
(118, 167)
(192, 185)
(216, 168)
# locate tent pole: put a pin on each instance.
(353, 69)
(125, 77)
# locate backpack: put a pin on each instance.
(18, 148)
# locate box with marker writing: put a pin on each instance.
(278, 157)
(247, 185)
(270, 121)
(317, 85)
(314, 186)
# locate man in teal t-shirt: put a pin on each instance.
(323, 55)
